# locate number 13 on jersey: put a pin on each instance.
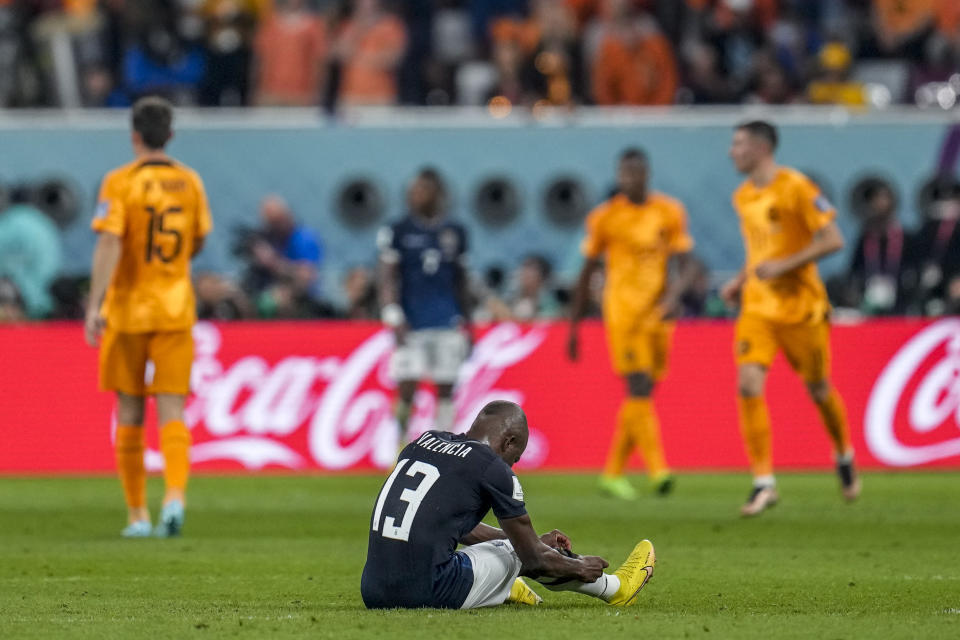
(413, 498)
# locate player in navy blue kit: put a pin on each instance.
(442, 487)
(424, 298)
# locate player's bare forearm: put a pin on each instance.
(482, 533)
(388, 283)
(198, 244)
(825, 241)
(539, 559)
(682, 271)
(106, 255)
(581, 291)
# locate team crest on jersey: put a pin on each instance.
(822, 204)
(103, 207)
(517, 489)
(449, 242)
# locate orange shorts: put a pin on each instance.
(806, 346)
(640, 350)
(124, 358)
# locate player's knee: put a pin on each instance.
(750, 383)
(639, 385)
(129, 409)
(819, 391)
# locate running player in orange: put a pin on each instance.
(151, 217)
(643, 237)
(787, 226)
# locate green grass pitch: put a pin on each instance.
(280, 556)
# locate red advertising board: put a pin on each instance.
(316, 396)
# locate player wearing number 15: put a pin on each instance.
(151, 217)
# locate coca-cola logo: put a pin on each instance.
(917, 397)
(332, 411)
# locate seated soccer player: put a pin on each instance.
(442, 487)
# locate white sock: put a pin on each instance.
(445, 415)
(604, 588)
(765, 482)
(846, 457)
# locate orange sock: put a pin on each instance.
(133, 474)
(641, 419)
(755, 427)
(175, 445)
(620, 447)
(834, 416)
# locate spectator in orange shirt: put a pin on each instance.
(370, 46)
(902, 25)
(291, 50)
(634, 64)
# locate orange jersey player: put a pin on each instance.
(152, 217)
(639, 233)
(787, 226)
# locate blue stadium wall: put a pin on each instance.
(307, 160)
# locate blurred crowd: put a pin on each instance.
(891, 271)
(479, 52)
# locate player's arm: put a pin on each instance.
(388, 282)
(106, 255)
(485, 533)
(682, 271)
(730, 292)
(540, 559)
(579, 304)
(198, 244)
(826, 240)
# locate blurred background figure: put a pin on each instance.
(11, 304)
(361, 294)
(880, 272)
(230, 26)
(937, 250)
(281, 249)
(369, 47)
(833, 84)
(291, 56)
(634, 63)
(533, 296)
(219, 298)
(31, 253)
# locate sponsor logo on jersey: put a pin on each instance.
(517, 489)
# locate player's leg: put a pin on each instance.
(612, 481)
(123, 360)
(172, 355)
(129, 448)
(619, 588)
(496, 568)
(407, 365)
(447, 351)
(808, 350)
(755, 349)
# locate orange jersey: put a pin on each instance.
(637, 241)
(159, 210)
(778, 220)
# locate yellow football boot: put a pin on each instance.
(634, 573)
(521, 593)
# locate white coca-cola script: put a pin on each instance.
(248, 408)
(935, 401)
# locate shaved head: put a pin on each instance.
(503, 426)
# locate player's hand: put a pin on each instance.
(93, 327)
(556, 539)
(670, 308)
(573, 346)
(770, 269)
(730, 292)
(263, 254)
(591, 568)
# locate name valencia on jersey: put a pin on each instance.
(436, 445)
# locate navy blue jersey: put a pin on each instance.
(428, 258)
(442, 487)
